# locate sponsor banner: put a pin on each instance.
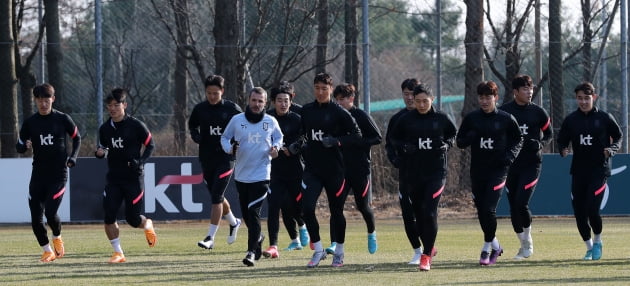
(15, 175)
(174, 189)
(553, 192)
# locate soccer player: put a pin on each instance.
(409, 219)
(423, 137)
(286, 177)
(356, 158)
(45, 132)
(327, 127)
(254, 137)
(495, 140)
(121, 139)
(595, 137)
(206, 124)
(523, 175)
(288, 88)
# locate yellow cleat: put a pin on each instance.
(48, 256)
(150, 234)
(117, 257)
(59, 249)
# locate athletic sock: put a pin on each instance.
(487, 246)
(212, 231)
(495, 244)
(56, 236)
(297, 240)
(148, 224)
(418, 250)
(116, 245)
(318, 246)
(597, 238)
(47, 248)
(589, 244)
(302, 226)
(230, 218)
(339, 248)
(521, 236)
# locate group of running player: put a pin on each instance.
(289, 154)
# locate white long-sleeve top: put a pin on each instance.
(253, 160)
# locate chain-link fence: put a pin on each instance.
(140, 44)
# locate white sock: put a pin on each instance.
(116, 245)
(418, 250)
(527, 232)
(303, 226)
(56, 236)
(495, 244)
(339, 248)
(597, 238)
(230, 218)
(487, 246)
(148, 224)
(296, 240)
(589, 244)
(521, 236)
(47, 248)
(318, 246)
(212, 231)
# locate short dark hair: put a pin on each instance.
(344, 90)
(422, 88)
(409, 83)
(118, 94)
(323, 78)
(44, 91)
(258, 90)
(215, 80)
(283, 87)
(522, 80)
(487, 88)
(586, 87)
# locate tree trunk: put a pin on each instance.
(587, 36)
(322, 36)
(27, 83)
(226, 54)
(556, 81)
(8, 83)
(474, 75)
(474, 53)
(351, 68)
(181, 78)
(54, 54)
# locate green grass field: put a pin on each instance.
(177, 260)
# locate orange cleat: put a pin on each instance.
(117, 257)
(59, 249)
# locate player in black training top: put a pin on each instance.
(595, 137)
(206, 124)
(45, 132)
(121, 140)
(286, 176)
(356, 158)
(495, 140)
(423, 137)
(327, 127)
(409, 218)
(523, 176)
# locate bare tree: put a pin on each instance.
(507, 42)
(322, 36)
(351, 68)
(589, 15)
(54, 53)
(556, 77)
(474, 53)
(23, 68)
(180, 113)
(226, 50)
(8, 82)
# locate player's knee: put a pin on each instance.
(134, 221)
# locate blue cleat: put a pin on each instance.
(597, 250)
(304, 238)
(294, 246)
(331, 248)
(372, 245)
(588, 255)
